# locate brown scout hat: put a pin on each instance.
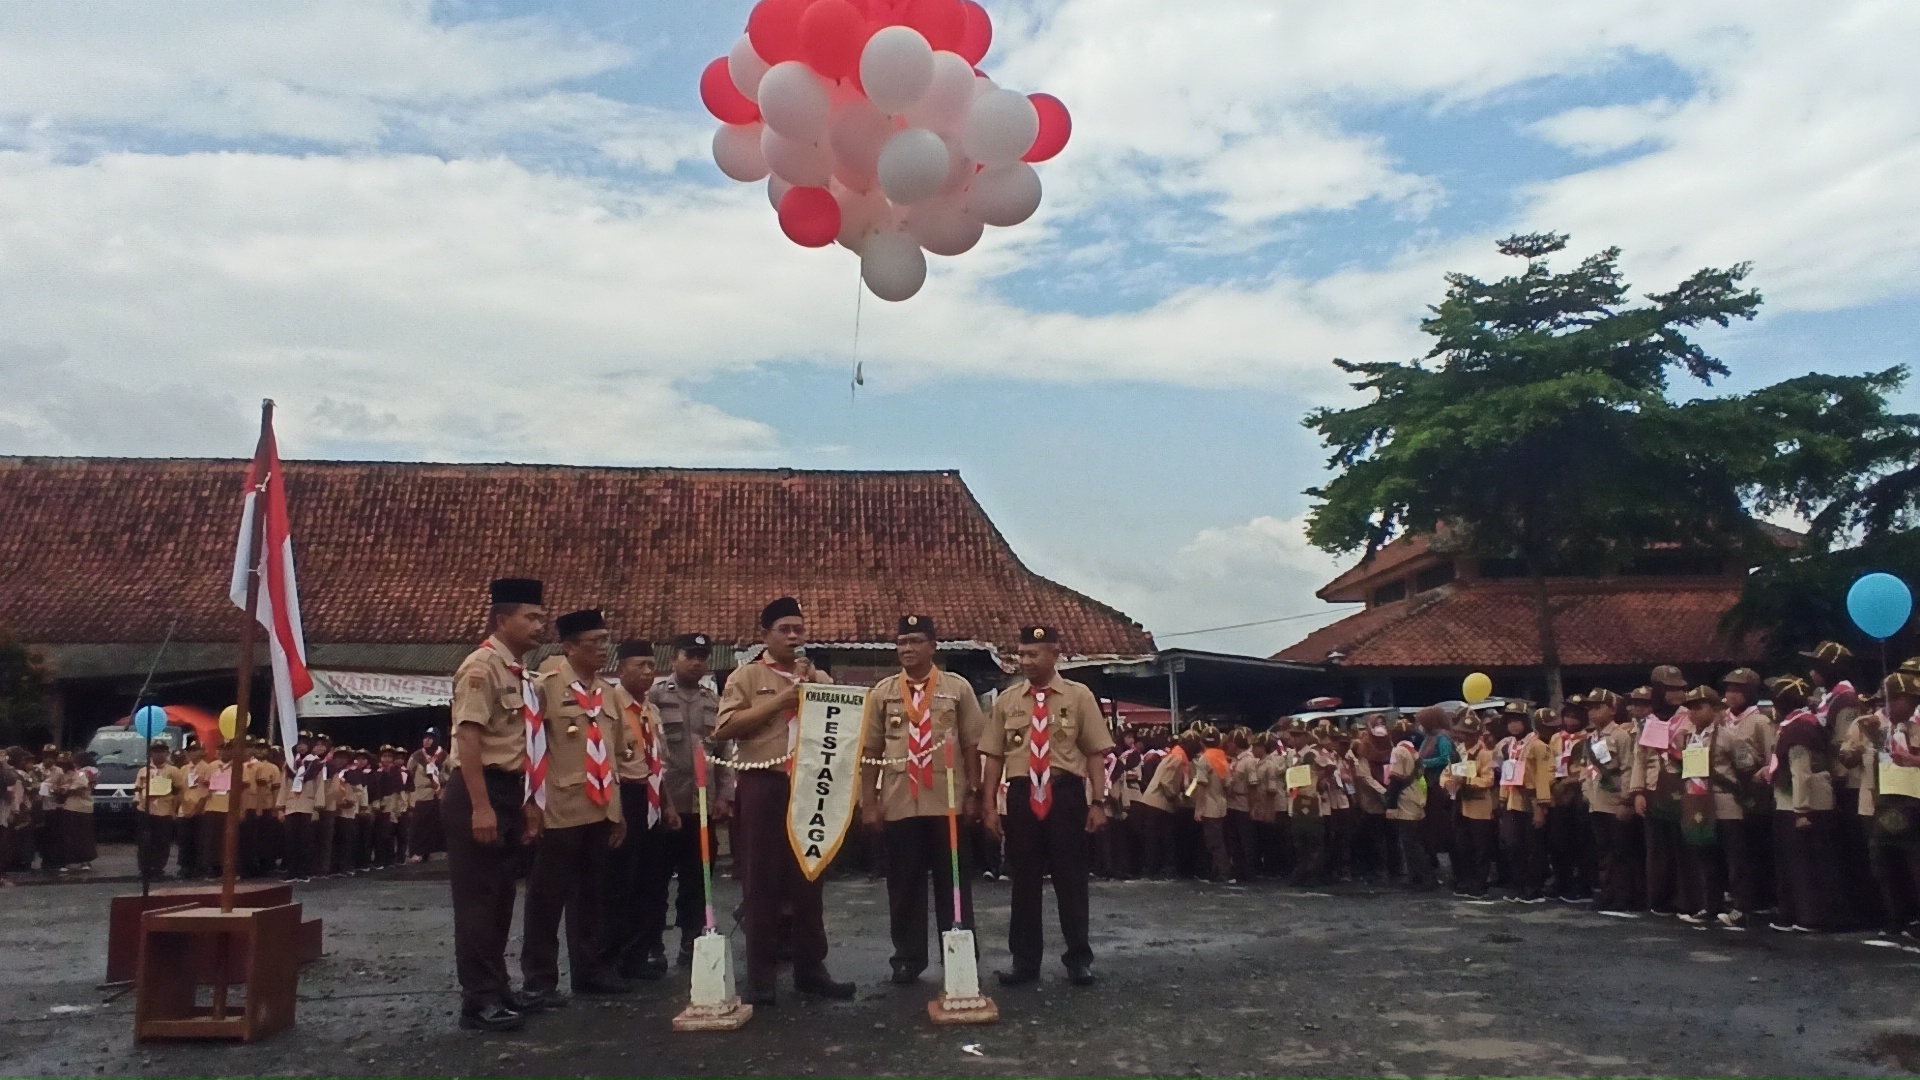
(1469, 724)
(1828, 652)
(1603, 697)
(1790, 690)
(1515, 708)
(1641, 693)
(1902, 684)
(1545, 716)
(1668, 677)
(1702, 695)
(1911, 665)
(1741, 677)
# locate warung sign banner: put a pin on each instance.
(826, 773)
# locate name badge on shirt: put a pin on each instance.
(1462, 769)
(1693, 763)
(1602, 753)
(1509, 773)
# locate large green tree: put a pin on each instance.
(23, 693)
(1539, 426)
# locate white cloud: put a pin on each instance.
(1253, 572)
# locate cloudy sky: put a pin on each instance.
(435, 230)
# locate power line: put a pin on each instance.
(1261, 622)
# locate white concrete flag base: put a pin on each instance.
(961, 1001)
(715, 1003)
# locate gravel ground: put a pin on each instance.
(1196, 981)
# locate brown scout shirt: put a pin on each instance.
(1077, 729)
(487, 693)
(568, 726)
(1474, 795)
(1166, 790)
(1209, 790)
(955, 709)
(1610, 782)
(639, 721)
(749, 685)
(1242, 776)
(1404, 764)
(159, 806)
(1536, 771)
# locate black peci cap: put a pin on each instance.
(785, 607)
(629, 649)
(517, 590)
(575, 623)
(915, 624)
(1039, 635)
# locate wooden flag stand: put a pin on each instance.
(714, 1004)
(960, 1000)
(190, 949)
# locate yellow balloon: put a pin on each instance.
(1476, 689)
(229, 721)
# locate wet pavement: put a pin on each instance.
(1197, 980)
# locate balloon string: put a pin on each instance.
(859, 377)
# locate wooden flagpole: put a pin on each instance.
(249, 631)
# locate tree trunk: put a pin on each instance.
(1549, 641)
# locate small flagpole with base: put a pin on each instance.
(714, 1004)
(960, 1000)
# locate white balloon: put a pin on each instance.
(944, 106)
(746, 68)
(736, 149)
(1001, 127)
(893, 266)
(795, 102)
(804, 164)
(776, 190)
(982, 84)
(914, 166)
(960, 169)
(943, 228)
(857, 133)
(896, 68)
(1004, 195)
(860, 214)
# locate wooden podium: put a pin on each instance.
(193, 960)
(123, 924)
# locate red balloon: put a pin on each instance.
(942, 22)
(810, 216)
(1056, 127)
(774, 29)
(977, 38)
(723, 99)
(833, 33)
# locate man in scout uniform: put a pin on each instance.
(760, 710)
(1049, 739)
(301, 802)
(1616, 834)
(489, 811)
(157, 792)
(688, 709)
(582, 823)
(633, 949)
(910, 719)
(1658, 795)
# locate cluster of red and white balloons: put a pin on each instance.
(874, 128)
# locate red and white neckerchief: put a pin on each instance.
(1832, 697)
(642, 732)
(919, 704)
(536, 730)
(1040, 757)
(599, 767)
(793, 715)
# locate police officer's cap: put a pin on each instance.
(693, 644)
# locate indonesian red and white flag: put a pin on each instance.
(278, 607)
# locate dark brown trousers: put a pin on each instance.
(1156, 839)
(774, 884)
(918, 852)
(156, 841)
(1526, 850)
(1617, 848)
(571, 871)
(1219, 862)
(1807, 865)
(300, 845)
(1035, 848)
(482, 877)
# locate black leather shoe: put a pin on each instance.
(821, 984)
(1081, 974)
(1017, 977)
(651, 968)
(602, 986)
(904, 974)
(760, 997)
(494, 1017)
(533, 1001)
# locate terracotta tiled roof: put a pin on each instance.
(109, 550)
(1396, 553)
(1606, 623)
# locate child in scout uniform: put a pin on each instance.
(1263, 806)
(1243, 844)
(1336, 801)
(1367, 763)
(1660, 791)
(1471, 782)
(1805, 822)
(1884, 744)
(1406, 801)
(1616, 832)
(300, 807)
(157, 791)
(911, 718)
(1750, 724)
(1158, 803)
(1306, 823)
(1524, 794)
(1711, 811)
(77, 801)
(349, 801)
(1569, 835)
(1207, 787)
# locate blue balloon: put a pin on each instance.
(1880, 605)
(150, 721)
